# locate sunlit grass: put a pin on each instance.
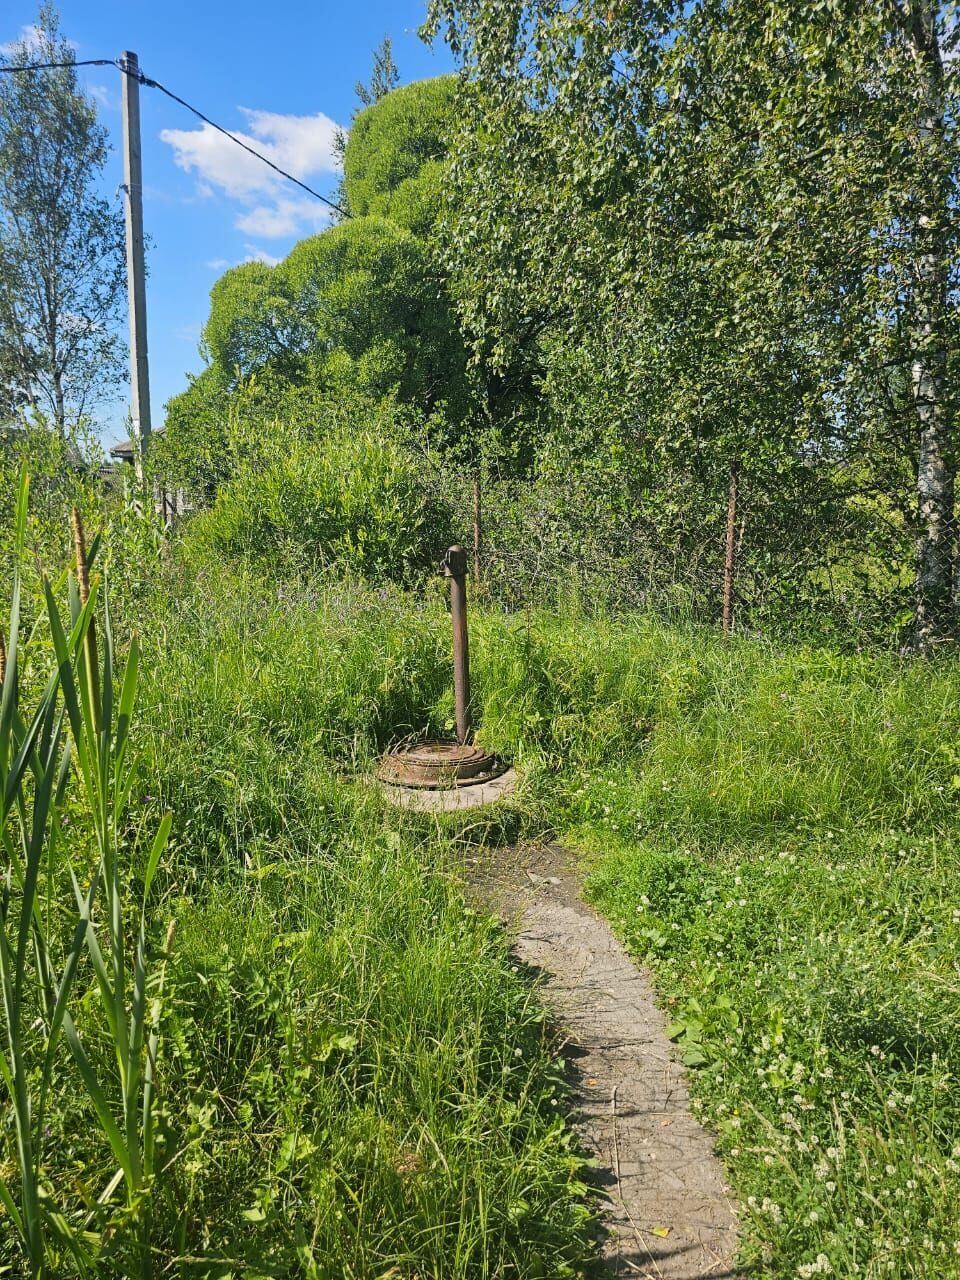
(352, 1080)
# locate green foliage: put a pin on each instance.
(344, 1073)
(349, 1075)
(60, 907)
(349, 496)
(354, 1078)
(384, 77)
(393, 160)
(359, 311)
(773, 830)
(252, 323)
(61, 243)
(373, 315)
(194, 452)
(726, 234)
(587, 518)
(810, 972)
(63, 472)
(775, 833)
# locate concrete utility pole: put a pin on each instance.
(136, 284)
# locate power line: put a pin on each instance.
(155, 84)
(59, 66)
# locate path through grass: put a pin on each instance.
(776, 833)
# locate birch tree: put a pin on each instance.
(752, 207)
(62, 269)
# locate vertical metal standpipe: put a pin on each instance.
(455, 568)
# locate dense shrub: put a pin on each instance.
(351, 498)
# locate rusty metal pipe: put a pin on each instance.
(455, 568)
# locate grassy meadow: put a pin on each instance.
(775, 834)
(349, 1076)
(773, 831)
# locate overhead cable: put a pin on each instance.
(155, 84)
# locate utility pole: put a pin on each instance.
(136, 284)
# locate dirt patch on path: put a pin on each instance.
(670, 1212)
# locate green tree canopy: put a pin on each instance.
(358, 305)
(393, 162)
(61, 244)
(252, 323)
(746, 214)
(360, 309)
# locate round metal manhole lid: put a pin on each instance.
(438, 764)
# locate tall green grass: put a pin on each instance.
(352, 1079)
(776, 832)
(348, 1077)
(78, 727)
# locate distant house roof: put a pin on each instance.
(123, 452)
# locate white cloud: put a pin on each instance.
(256, 254)
(108, 100)
(284, 218)
(31, 36)
(303, 146)
(218, 264)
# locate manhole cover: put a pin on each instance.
(439, 764)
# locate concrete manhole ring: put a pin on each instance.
(438, 766)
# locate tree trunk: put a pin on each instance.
(935, 498)
(59, 405)
(936, 542)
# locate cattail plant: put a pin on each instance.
(78, 731)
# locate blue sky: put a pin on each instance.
(282, 74)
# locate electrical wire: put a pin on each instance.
(58, 66)
(155, 84)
